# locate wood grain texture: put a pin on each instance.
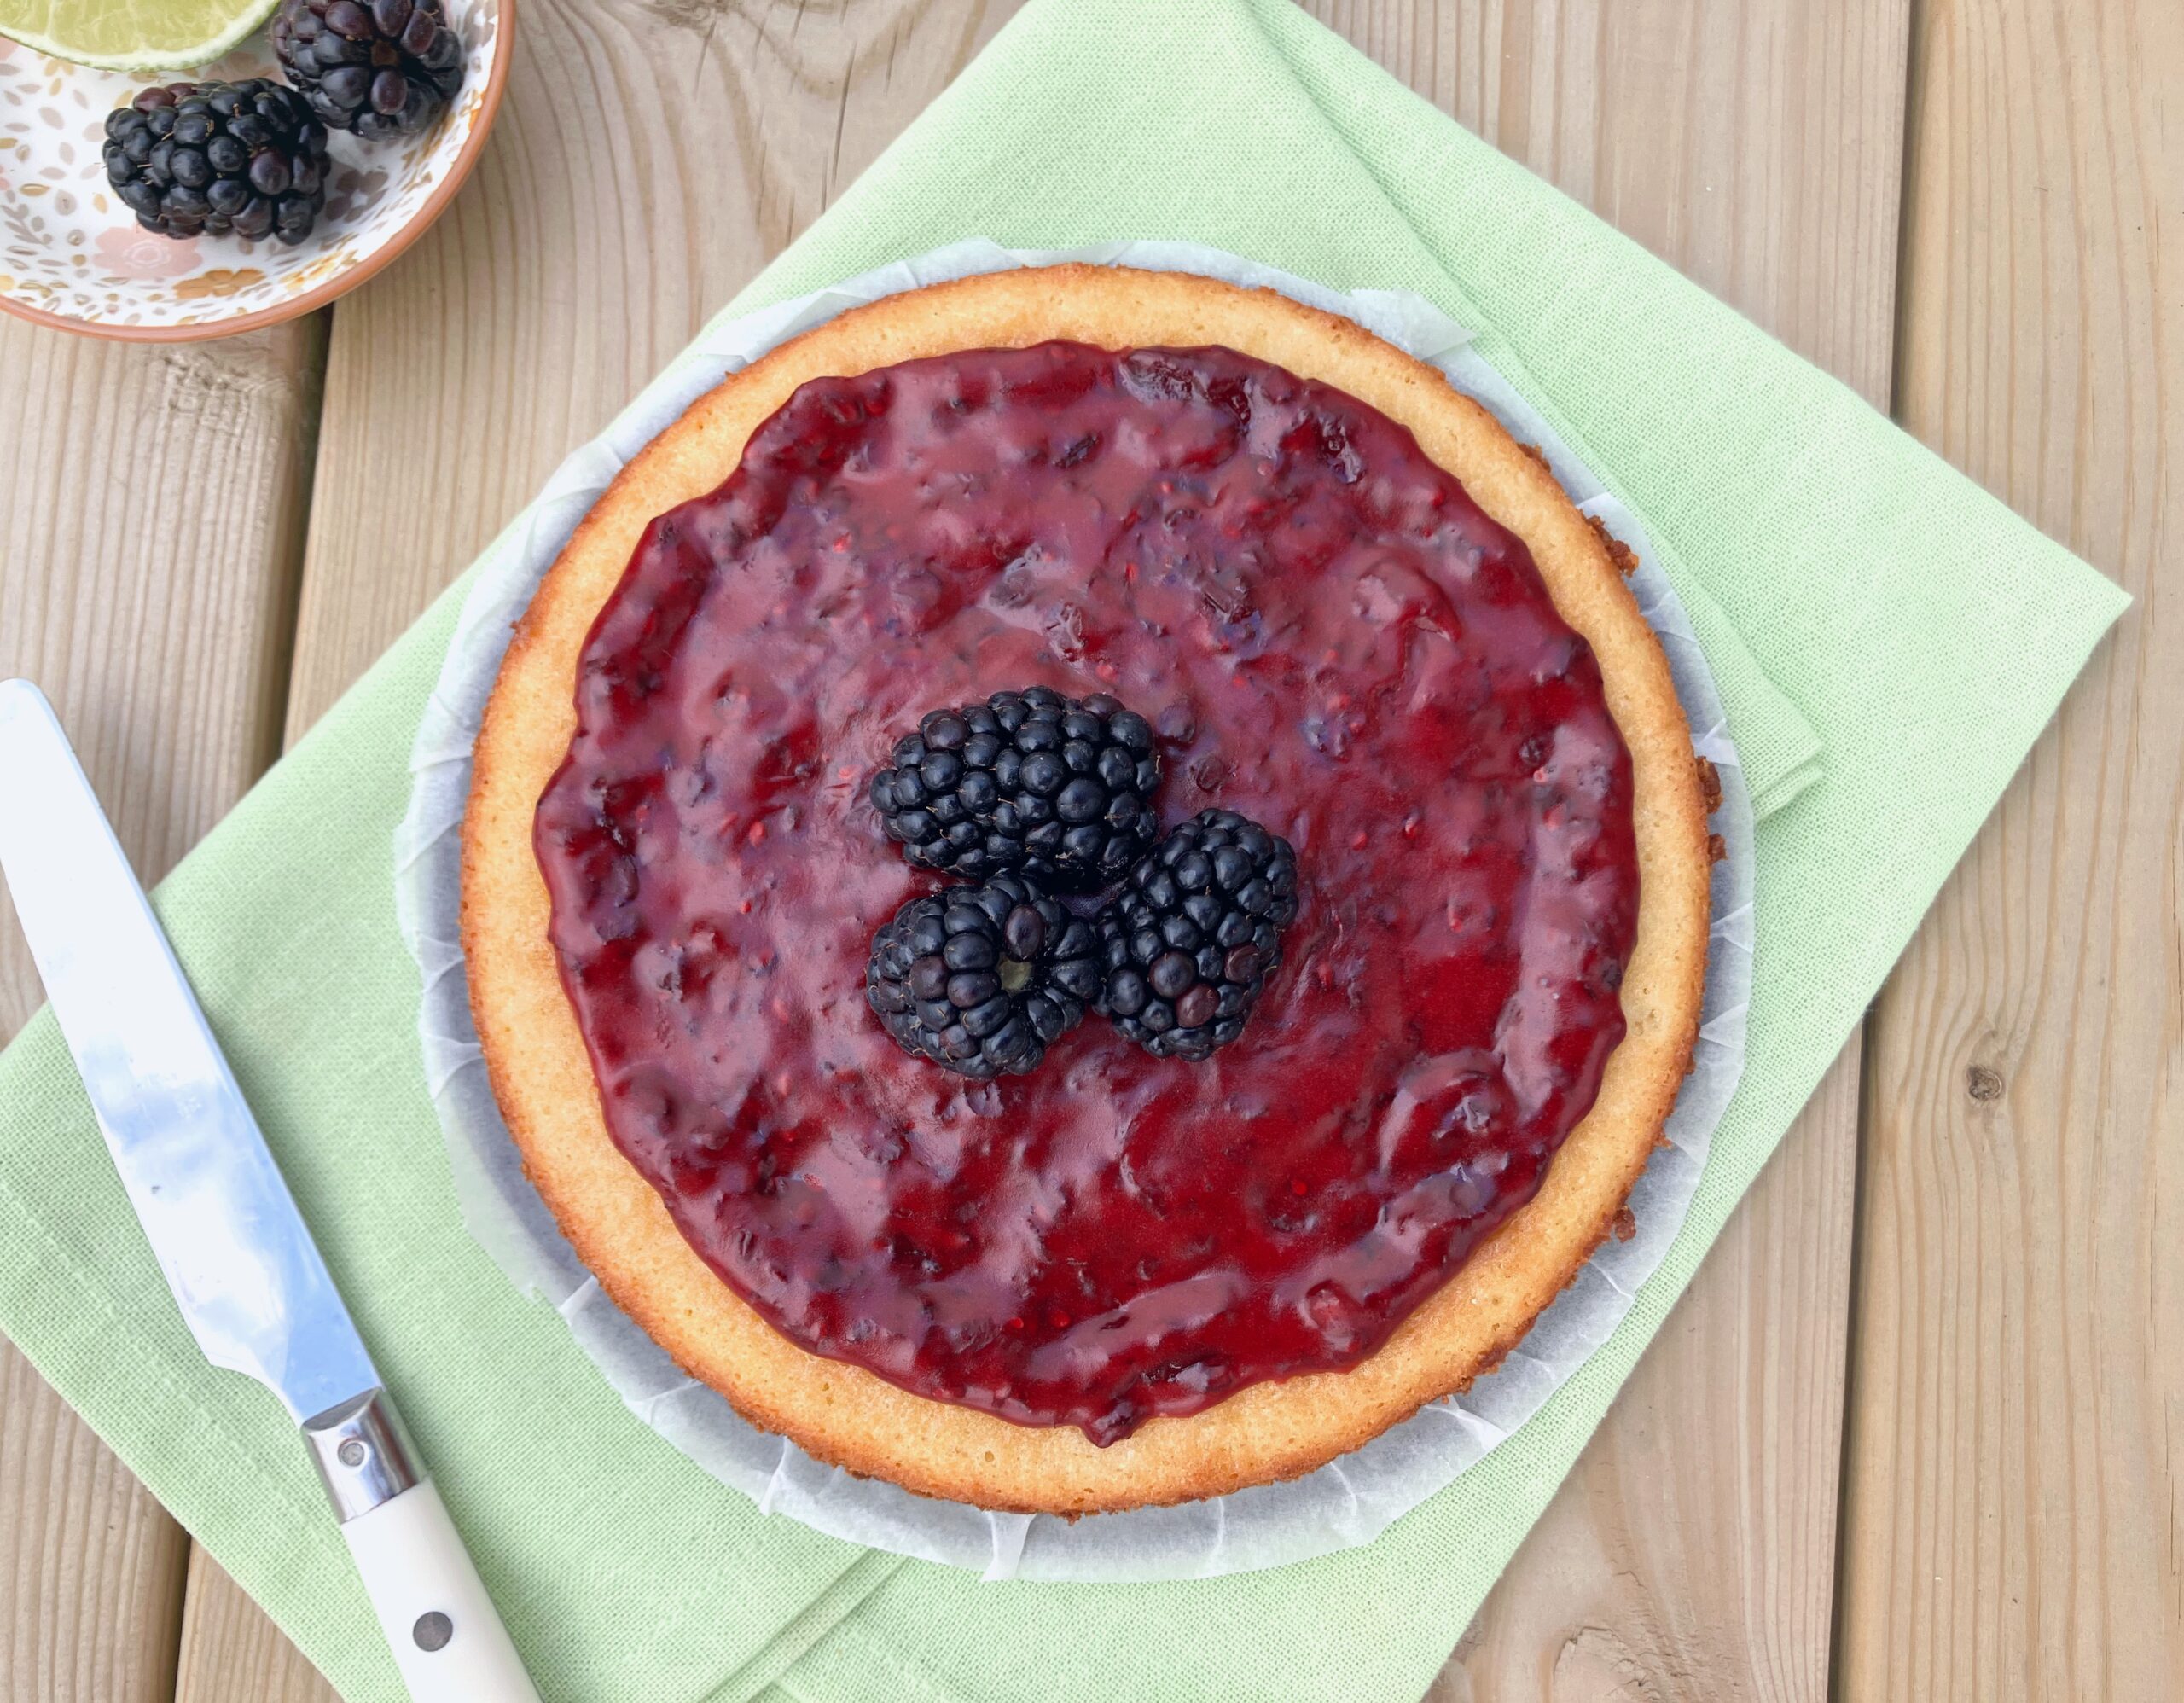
(230, 1652)
(91, 1565)
(153, 523)
(650, 158)
(2014, 1516)
(154, 502)
(1758, 147)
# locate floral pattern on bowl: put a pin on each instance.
(69, 249)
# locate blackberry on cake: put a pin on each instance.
(980, 979)
(381, 68)
(218, 160)
(1058, 790)
(1187, 946)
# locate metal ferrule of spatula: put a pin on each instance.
(245, 1272)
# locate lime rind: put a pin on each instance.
(226, 27)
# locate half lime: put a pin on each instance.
(133, 35)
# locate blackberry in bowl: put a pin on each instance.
(1057, 789)
(381, 68)
(218, 159)
(1187, 946)
(980, 979)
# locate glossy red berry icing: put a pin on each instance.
(1329, 637)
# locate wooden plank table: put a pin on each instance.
(1913, 1431)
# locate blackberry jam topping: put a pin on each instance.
(1329, 638)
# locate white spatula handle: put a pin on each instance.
(447, 1639)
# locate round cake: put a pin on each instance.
(1252, 742)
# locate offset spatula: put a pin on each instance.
(249, 1281)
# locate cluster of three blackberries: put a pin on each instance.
(1032, 795)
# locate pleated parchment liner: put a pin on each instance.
(1350, 1501)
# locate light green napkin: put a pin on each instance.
(1920, 635)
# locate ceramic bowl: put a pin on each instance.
(71, 255)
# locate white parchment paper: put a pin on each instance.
(1351, 1499)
